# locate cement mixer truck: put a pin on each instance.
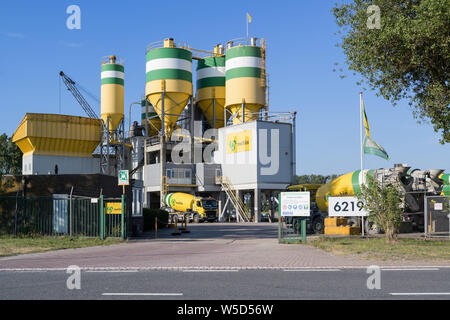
(196, 209)
(413, 184)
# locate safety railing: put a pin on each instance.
(232, 194)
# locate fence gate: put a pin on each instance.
(437, 221)
(113, 217)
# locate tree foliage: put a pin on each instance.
(407, 58)
(10, 156)
(383, 204)
(314, 178)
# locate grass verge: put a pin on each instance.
(377, 248)
(12, 246)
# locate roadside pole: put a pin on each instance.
(122, 228)
(279, 218)
(304, 230)
(102, 221)
(124, 180)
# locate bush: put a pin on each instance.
(149, 218)
(383, 204)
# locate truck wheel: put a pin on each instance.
(196, 218)
(318, 225)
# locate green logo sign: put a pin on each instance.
(123, 177)
(233, 145)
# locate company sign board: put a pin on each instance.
(239, 141)
(295, 204)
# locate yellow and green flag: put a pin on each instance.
(369, 145)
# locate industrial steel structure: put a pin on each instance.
(221, 141)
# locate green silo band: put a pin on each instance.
(211, 82)
(175, 74)
(112, 67)
(169, 53)
(211, 62)
(355, 182)
(112, 81)
(243, 72)
(243, 51)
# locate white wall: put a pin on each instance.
(40, 164)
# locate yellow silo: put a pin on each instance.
(210, 94)
(169, 75)
(245, 81)
(57, 135)
(112, 78)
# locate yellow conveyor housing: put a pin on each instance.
(57, 135)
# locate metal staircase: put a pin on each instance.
(231, 192)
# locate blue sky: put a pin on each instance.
(35, 45)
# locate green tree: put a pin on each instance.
(10, 156)
(314, 178)
(408, 57)
(383, 204)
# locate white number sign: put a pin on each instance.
(345, 207)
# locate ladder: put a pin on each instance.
(264, 79)
(262, 64)
(232, 194)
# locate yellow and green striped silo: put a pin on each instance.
(154, 122)
(211, 87)
(245, 93)
(112, 92)
(169, 71)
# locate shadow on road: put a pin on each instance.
(208, 231)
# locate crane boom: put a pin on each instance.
(71, 86)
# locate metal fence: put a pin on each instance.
(62, 215)
(290, 229)
(437, 216)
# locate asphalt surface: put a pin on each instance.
(218, 262)
(227, 284)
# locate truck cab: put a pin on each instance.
(206, 208)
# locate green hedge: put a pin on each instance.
(149, 218)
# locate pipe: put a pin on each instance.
(129, 116)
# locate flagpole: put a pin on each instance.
(361, 142)
(246, 19)
(360, 128)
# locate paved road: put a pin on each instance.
(228, 285)
(208, 245)
(216, 261)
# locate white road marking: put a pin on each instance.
(409, 269)
(420, 293)
(211, 270)
(228, 268)
(309, 270)
(112, 271)
(140, 294)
